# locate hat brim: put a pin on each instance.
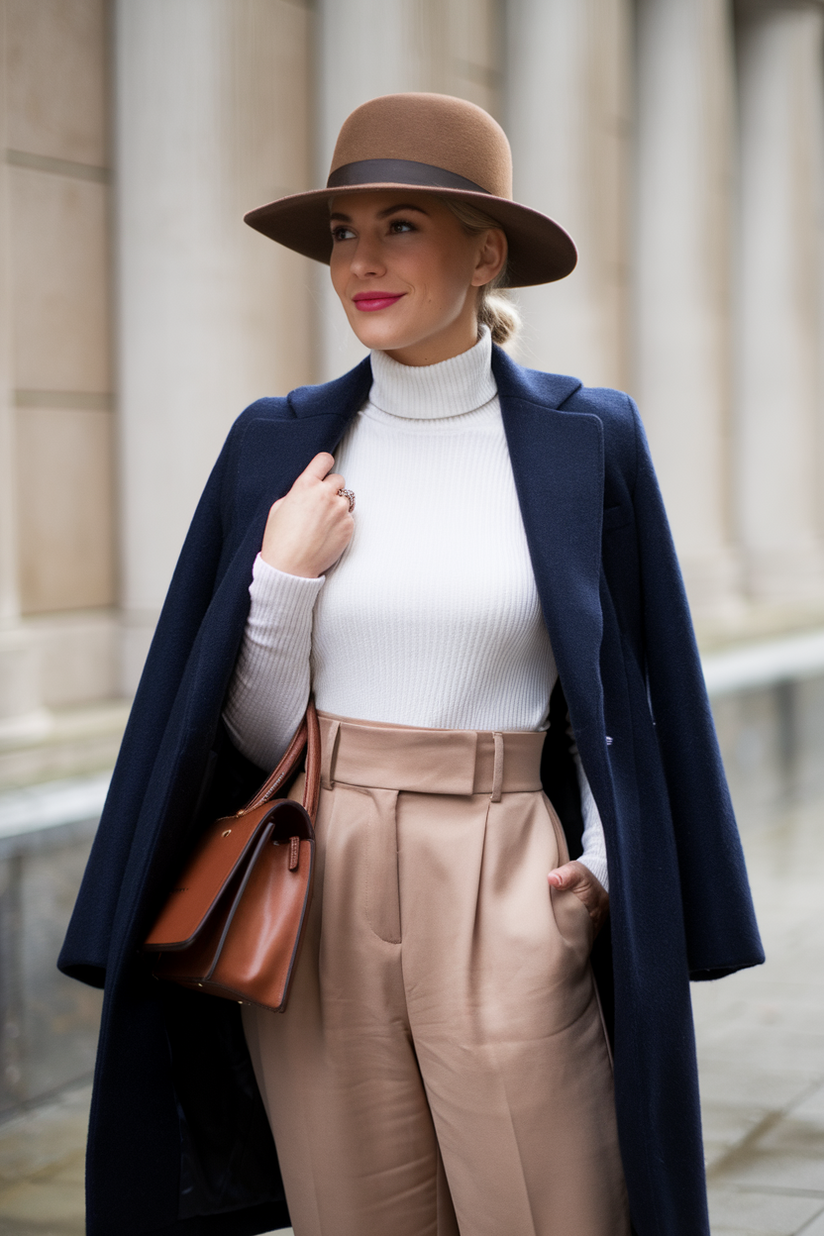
(539, 250)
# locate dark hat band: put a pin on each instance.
(398, 171)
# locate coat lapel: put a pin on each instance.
(277, 449)
(558, 464)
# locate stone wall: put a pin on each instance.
(57, 476)
(48, 1023)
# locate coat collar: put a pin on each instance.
(339, 398)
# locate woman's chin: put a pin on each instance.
(382, 336)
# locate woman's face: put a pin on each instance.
(407, 273)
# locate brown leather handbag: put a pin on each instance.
(232, 924)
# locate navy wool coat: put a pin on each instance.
(179, 1144)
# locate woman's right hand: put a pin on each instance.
(309, 527)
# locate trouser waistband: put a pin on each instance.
(429, 761)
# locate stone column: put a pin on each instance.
(447, 46)
(779, 389)
(9, 599)
(21, 715)
(567, 114)
(682, 225)
(213, 117)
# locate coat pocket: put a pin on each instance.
(616, 517)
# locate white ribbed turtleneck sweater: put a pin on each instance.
(431, 617)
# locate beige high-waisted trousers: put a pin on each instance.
(441, 1066)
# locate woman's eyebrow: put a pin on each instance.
(337, 216)
(390, 210)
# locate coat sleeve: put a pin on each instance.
(85, 950)
(722, 935)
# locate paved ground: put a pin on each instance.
(761, 1046)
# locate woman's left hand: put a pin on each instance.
(575, 878)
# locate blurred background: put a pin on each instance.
(681, 142)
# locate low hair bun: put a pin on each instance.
(498, 312)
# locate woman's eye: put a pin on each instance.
(342, 233)
(401, 225)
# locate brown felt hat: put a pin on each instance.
(427, 142)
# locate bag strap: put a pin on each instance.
(307, 738)
(311, 792)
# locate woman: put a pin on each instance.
(442, 1065)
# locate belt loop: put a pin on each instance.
(329, 750)
(498, 767)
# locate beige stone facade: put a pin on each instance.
(58, 552)
(680, 141)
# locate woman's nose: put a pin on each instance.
(367, 258)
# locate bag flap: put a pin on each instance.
(224, 845)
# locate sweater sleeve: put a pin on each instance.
(270, 686)
(593, 842)
(595, 847)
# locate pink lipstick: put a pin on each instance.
(369, 301)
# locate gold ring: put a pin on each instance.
(348, 493)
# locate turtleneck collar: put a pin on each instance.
(461, 384)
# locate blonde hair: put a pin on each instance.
(495, 309)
